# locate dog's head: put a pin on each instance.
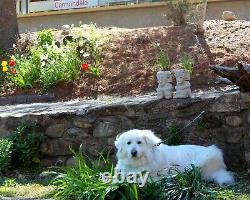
(135, 144)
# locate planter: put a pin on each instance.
(165, 87)
(183, 85)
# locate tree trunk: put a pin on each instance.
(239, 75)
(8, 25)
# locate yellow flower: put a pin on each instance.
(4, 63)
(5, 69)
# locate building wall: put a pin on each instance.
(134, 16)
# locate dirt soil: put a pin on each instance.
(129, 68)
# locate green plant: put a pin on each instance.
(187, 63)
(153, 190)
(80, 181)
(45, 37)
(187, 185)
(201, 126)
(162, 59)
(5, 152)
(174, 137)
(90, 44)
(83, 182)
(46, 66)
(26, 145)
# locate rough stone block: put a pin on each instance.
(226, 103)
(77, 132)
(234, 135)
(82, 123)
(98, 147)
(63, 147)
(55, 130)
(234, 121)
(228, 16)
(71, 162)
(47, 148)
(106, 129)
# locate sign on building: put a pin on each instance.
(68, 4)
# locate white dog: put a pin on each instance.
(137, 151)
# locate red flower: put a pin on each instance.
(85, 66)
(13, 71)
(11, 63)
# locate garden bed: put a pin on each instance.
(129, 66)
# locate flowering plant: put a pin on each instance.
(91, 69)
(8, 66)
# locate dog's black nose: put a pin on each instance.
(133, 153)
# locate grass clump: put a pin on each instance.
(81, 181)
(25, 187)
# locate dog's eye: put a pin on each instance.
(139, 142)
(128, 142)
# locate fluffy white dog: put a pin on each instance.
(137, 151)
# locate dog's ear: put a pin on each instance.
(150, 138)
(119, 144)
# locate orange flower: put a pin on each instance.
(85, 66)
(11, 63)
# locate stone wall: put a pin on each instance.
(95, 124)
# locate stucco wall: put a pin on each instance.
(143, 15)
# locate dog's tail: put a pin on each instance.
(214, 168)
(221, 177)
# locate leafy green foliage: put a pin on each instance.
(187, 63)
(153, 191)
(46, 66)
(26, 145)
(174, 137)
(45, 37)
(124, 191)
(5, 152)
(80, 182)
(163, 60)
(201, 126)
(187, 185)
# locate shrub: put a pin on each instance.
(26, 145)
(178, 11)
(46, 66)
(5, 152)
(162, 59)
(45, 37)
(187, 63)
